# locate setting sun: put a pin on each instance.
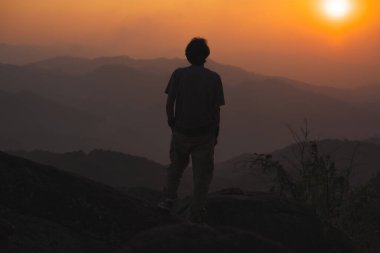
(337, 9)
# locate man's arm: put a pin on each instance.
(170, 111)
(217, 117)
(219, 102)
(171, 91)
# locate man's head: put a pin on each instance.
(197, 51)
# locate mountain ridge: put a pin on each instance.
(238, 171)
(115, 169)
(130, 101)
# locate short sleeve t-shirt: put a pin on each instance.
(198, 92)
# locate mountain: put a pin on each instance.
(28, 53)
(127, 172)
(112, 168)
(374, 140)
(30, 120)
(80, 66)
(238, 172)
(367, 95)
(159, 66)
(133, 173)
(364, 157)
(127, 94)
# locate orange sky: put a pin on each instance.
(291, 38)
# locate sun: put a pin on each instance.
(337, 9)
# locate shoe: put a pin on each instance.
(167, 204)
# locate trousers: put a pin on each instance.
(201, 151)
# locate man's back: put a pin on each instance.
(198, 93)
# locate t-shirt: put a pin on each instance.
(198, 92)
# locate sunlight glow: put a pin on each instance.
(337, 9)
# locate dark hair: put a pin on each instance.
(197, 51)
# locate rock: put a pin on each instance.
(54, 211)
(273, 217)
(6, 230)
(190, 238)
(47, 205)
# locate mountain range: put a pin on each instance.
(125, 99)
(129, 172)
(239, 172)
(112, 168)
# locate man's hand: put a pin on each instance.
(170, 111)
(216, 135)
(171, 123)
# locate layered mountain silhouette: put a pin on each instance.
(132, 173)
(374, 140)
(27, 53)
(44, 209)
(126, 172)
(112, 168)
(126, 95)
(29, 120)
(366, 95)
(362, 155)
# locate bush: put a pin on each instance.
(361, 220)
(322, 186)
(318, 182)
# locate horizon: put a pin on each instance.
(304, 40)
(90, 56)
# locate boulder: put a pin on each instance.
(273, 217)
(190, 238)
(49, 206)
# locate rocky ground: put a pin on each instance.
(43, 209)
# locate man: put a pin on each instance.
(195, 95)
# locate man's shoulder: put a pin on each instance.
(180, 69)
(208, 72)
(213, 73)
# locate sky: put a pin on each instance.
(292, 38)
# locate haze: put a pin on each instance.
(291, 38)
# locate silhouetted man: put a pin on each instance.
(195, 95)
